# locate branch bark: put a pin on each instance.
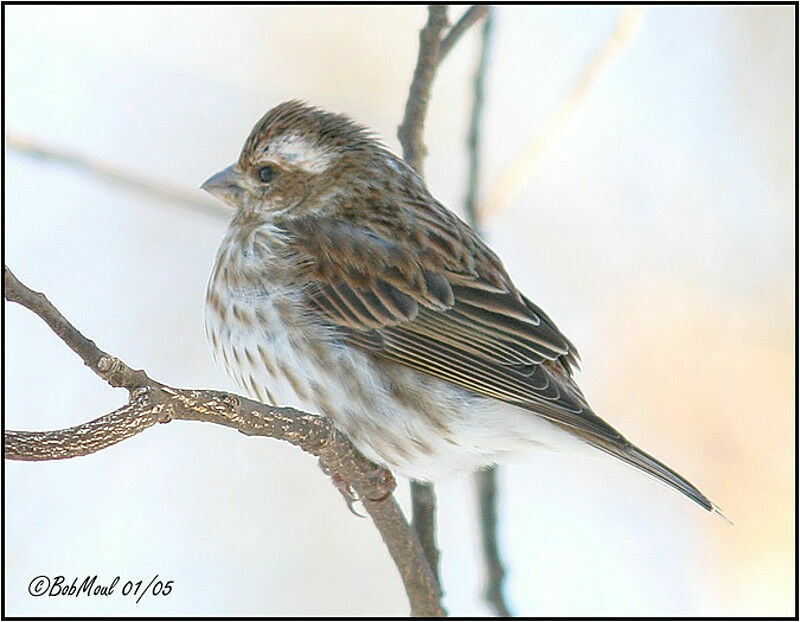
(476, 118)
(471, 16)
(486, 484)
(410, 130)
(435, 41)
(153, 402)
(423, 520)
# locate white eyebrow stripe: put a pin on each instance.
(298, 150)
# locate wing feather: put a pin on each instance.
(440, 309)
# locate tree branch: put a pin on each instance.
(486, 484)
(152, 402)
(512, 180)
(423, 520)
(434, 44)
(162, 190)
(410, 130)
(470, 17)
(474, 136)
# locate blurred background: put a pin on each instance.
(655, 226)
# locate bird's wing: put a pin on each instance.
(441, 303)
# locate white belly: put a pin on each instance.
(278, 356)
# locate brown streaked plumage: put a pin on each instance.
(353, 292)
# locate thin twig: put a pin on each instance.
(423, 520)
(486, 480)
(410, 130)
(470, 17)
(116, 175)
(486, 484)
(474, 136)
(434, 44)
(153, 402)
(512, 180)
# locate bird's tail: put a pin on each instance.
(627, 452)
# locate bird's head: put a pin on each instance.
(301, 159)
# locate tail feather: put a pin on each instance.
(644, 461)
(634, 456)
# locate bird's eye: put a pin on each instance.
(266, 173)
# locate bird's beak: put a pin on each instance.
(226, 186)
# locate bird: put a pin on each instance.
(343, 288)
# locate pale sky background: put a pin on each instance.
(657, 230)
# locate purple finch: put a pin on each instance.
(343, 288)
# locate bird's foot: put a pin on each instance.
(380, 484)
(341, 484)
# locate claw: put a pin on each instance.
(351, 506)
(345, 489)
(348, 494)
